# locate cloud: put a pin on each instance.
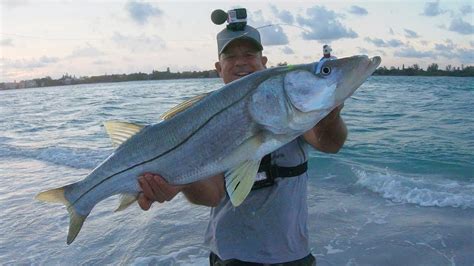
(357, 10)
(447, 46)
(324, 25)
(465, 10)
(363, 50)
(376, 41)
(394, 43)
(411, 34)
(391, 31)
(273, 35)
(285, 16)
(451, 50)
(142, 43)
(411, 52)
(6, 43)
(381, 43)
(466, 56)
(432, 9)
(13, 3)
(87, 51)
(471, 43)
(102, 62)
(30, 63)
(460, 26)
(287, 50)
(140, 12)
(48, 60)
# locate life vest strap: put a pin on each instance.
(275, 171)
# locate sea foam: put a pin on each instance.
(82, 158)
(421, 191)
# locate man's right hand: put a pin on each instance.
(155, 188)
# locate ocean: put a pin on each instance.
(400, 192)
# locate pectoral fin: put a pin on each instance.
(182, 106)
(119, 132)
(239, 181)
(125, 201)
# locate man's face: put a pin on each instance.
(239, 59)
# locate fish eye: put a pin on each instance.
(326, 70)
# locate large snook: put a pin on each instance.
(229, 131)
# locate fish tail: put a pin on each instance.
(75, 220)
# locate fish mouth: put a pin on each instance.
(366, 67)
(374, 62)
(371, 66)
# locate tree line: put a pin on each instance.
(66, 79)
(154, 75)
(431, 70)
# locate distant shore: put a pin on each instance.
(415, 70)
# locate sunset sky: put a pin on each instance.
(86, 38)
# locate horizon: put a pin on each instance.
(115, 37)
(72, 75)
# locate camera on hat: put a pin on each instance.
(236, 18)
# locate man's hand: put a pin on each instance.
(329, 134)
(332, 117)
(155, 188)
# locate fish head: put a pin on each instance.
(329, 82)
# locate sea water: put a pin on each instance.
(400, 192)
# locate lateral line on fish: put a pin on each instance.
(168, 151)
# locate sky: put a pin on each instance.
(87, 38)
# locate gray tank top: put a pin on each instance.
(270, 225)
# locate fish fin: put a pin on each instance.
(119, 132)
(182, 106)
(75, 224)
(53, 195)
(239, 181)
(125, 201)
(75, 220)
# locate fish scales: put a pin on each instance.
(165, 138)
(229, 131)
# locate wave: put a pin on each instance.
(185, 256)
(81, 158)
(426, 192)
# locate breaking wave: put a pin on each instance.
(186, 256)
(82, 158)
(423, 192)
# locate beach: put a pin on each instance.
(400, 192)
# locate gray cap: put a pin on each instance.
(226, 36)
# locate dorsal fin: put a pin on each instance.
(119, 132)
(183, 106)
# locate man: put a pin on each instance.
(270, 225)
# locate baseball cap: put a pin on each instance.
(226, 36)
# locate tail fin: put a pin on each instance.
(75, 220)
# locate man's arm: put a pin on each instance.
(207, 192)
(329, 134)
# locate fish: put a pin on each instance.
(225, 131)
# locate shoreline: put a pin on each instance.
(189, 78)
